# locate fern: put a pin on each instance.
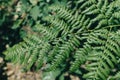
(105, 55)
(116, 77)
(87, 35)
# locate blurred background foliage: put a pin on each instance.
(7, 34)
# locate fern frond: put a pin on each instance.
(71, 19)
(103, 11)
(41, 57)
(104, 59)
(58, 25)
(64, 52)
(53, 52)
(46, 31)
(116, 15)
(80, 57)
(115, 77)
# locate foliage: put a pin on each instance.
(8, 36)
(84, 37)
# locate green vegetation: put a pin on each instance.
(79, 37)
